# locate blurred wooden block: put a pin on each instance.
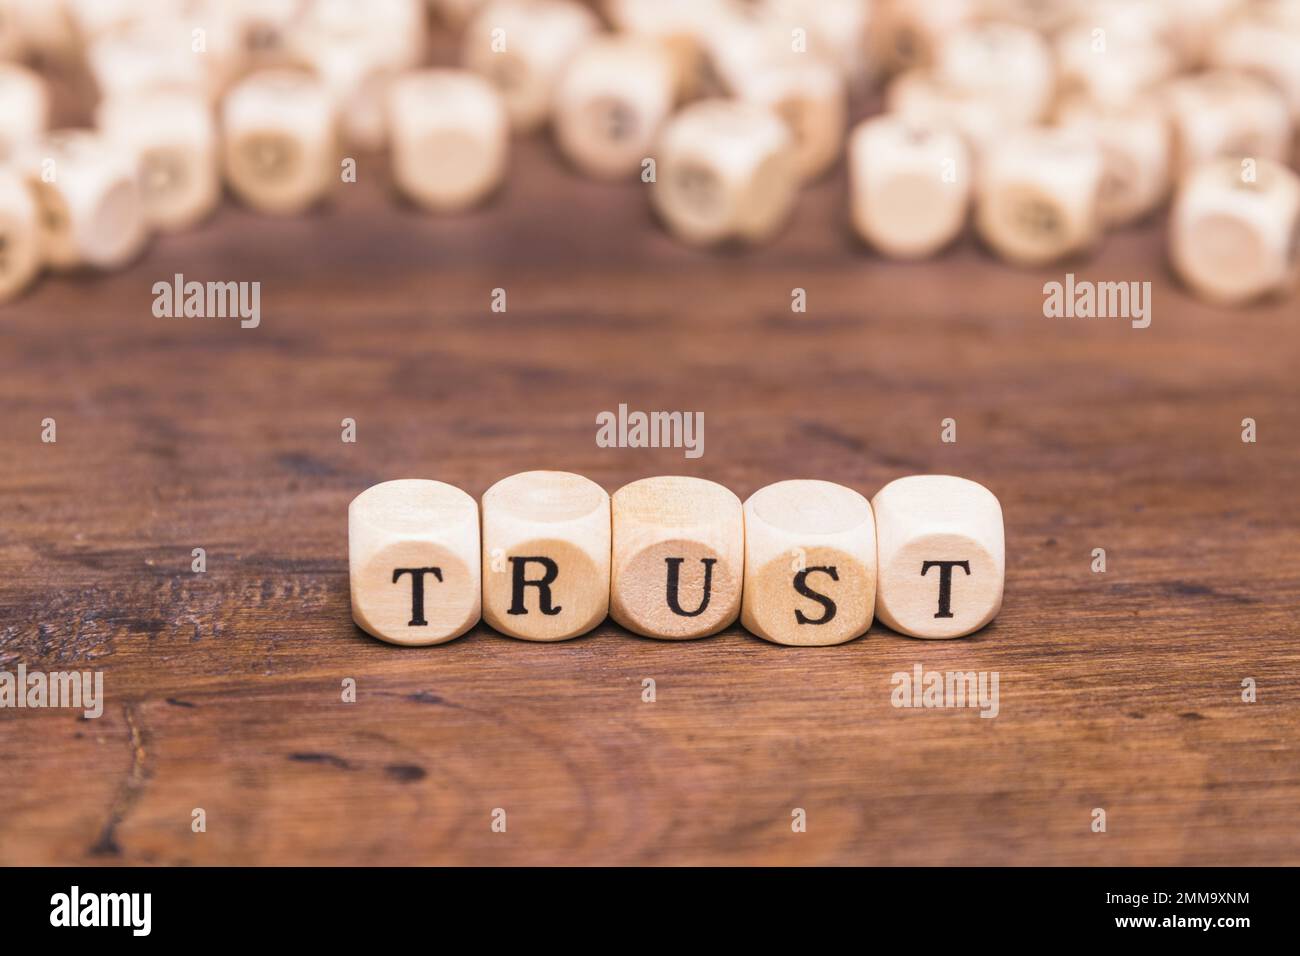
(88, 200)
(678, 557)
(810, 563)
(1233, 238)
(1264, 42)
(1223, 113)
(918, 97)
(910, 185)
(24, 109)
(20, 237)
(610, 104)
(739, 40)
(1136, 153)
(1006, 64)
(906, 34)
(810, 96)
(522, 48)
(44, 29)
(1036, 199)
(837, 31)
(682, 29)
(386, 34)
(942, 562)
(92, 18)
(546, 547)
(413, 561)
(450, 136)
(147, 55)
(278, 141)
(1194, 26)
(1110, 64)
(727, 171)
(12, 41)
(455, 13)
(263, 32)
(172, 136)
(359, 91)
(356, 54)
(1045, 18)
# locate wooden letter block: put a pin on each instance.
(1265, 43)
(379, 33)
(919, 98)
(1234, 232)
(1038, 194)
(356, 52)
(835, 30)
(810, 95)
(610, 103)
(906, 34)
(678, 557)
(910, 185)
(546, 541)
(1110, 68)
(727, 171)
(683, 29)
(88, 198)
(413, 561)
(450, 135)
(24, 109)
(522, 48)
(1221, 113)
(1046, 17)
(20, 237)
(148, 54)
(172, 136)
(942, 563)
(1007, 64)
(1136, 153)
(810, 563)
(278, 130)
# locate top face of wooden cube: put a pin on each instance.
(546, 497)
(412, 507)
(674, 502)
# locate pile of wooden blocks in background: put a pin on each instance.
(550, 554)
(1053, 121)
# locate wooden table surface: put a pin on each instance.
(1119, 690)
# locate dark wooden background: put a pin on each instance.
(1119, 690)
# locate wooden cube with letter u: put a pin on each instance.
(678, 557)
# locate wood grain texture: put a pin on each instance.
(1118, 690)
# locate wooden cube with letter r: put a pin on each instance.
(545, 555)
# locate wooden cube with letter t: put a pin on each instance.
(413, 560)
(546, 540)
(942, 561)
